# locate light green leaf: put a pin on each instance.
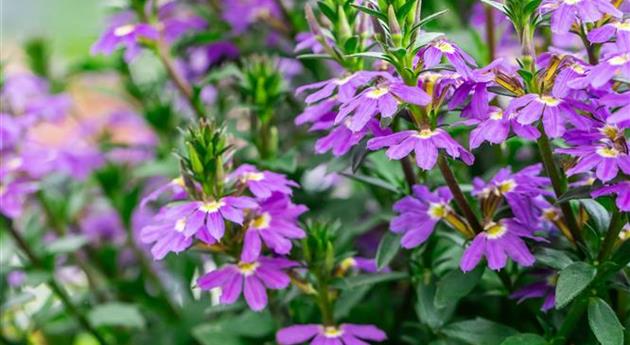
(572, 281)
(604, 323)
(457, 284)
(369, 279)
(598, 214)
(479, 331)
(387, 249)
(66, 244)
(116, 314)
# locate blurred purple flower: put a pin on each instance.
(13, 195)
(16, 278)
(566, 12)
(544, 288)
(262, 183)
(250, 278)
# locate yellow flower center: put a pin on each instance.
(253, 176)
(550, 101)
(247, 268)
(347, 264)
(211, 206)
(180, 225)
(496, 115)
(445, 47)
(578, 68)
(625, 233)
(552, 280)
(332, 332)
(608, 152)
(124, 30)
(178, 181)
(619, 60)
(377, 93)
(610, 131)
(551, 214)
(495, 230)
(262, 221)
(425, 134)
(625, 26)
(437, 210)
(507, 186)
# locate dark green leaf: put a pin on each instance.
(215, 334)
(525, 339)
(431, 17)
(371, 12)
(457, 284)
(348, 300)
(314, 57)
(428, 313)
(372, 181)
(582, 192)
(604, 323)
(368, 279)
(116, 314)
(553, 258)
(479, 331)
(258, 324)
(387, 249)
(599, 216)
(572, 281)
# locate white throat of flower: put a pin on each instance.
(572, 2)
(124, 30)
(425, 133)
(253, 176)
(343, 80)
(211, 206)
(620, 60)
(332, 332)
(377, 92)
(495, 231)
(507, 186)
(180, 225)
(496, 115)
(445, 47)
(247, 268)
(549, 101)
(624, 26)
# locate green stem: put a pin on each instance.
(616, 224)
(458, 195)
(54, 286)
(490, 33)
(324, 302)
(570, 321)
(559, 184)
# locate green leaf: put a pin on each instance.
(582, 192)
(433, 16)
(499, 6)
(428, 313)
(258, 324)
(373, 13)
(599, 216)
(553, 258)
(387, 249)
(116, 314)
(425, 37)
(373, 181)
(314, 57)
(215, 334)
(479, 331)
(525, 339)
(457, 284)
(572, 281)
(348, 300)
(604, 323)
(368, 279)
(66, 244)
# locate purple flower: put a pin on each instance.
(16, 278)
(175, 188)
(10, 131)
(126, 35)
(102, 226)
(544, 288)
(424, 143)
(566, 12)
(432, 54)
(345, 334)
(518, 189)
(262, 183)
(530, 108)
(344, 88)
(13, 195)
(167, 232)
(240, 14)
(621, 117)
(341, 139)
(614, 65)
(618, 29)
(606, 156)
(250, 278)
(360, 264)
(499, 241)
(383, 98)
(419, 213)
(49, 108)
(621, 189)
(209, 216)
(19, 90)
(275, 223)
(496, 128)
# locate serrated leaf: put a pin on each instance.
(387, 249)
(455, 285)
(572, 281)
(66, 244)
(369, 279)
(604, 323)
(479, 331)
(116, 314)
(525, 339)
